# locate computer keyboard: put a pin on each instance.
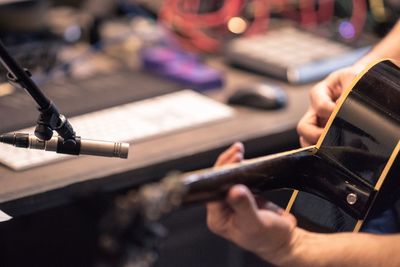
(292, 54)
(74, 96)
(128, 122)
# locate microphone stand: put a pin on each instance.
(50, 118)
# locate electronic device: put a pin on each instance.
(6, 2)
(129, 122)
(58, 145)
(182, 67)
(87, 94)
(23, 15)
(291, 54)
(261, 95)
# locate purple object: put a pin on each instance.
(181, 67)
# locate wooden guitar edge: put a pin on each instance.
(340, 102)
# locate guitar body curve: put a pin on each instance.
(366, 120)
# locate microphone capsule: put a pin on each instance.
(104, 148)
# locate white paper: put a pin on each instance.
(4, 217)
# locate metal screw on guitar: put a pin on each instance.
(351, 198)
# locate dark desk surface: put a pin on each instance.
(26, 191)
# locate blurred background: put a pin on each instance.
(123, 28)
(91, 55)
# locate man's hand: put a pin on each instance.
(323, 98)
(265, 230)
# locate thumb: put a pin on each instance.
(243, 203)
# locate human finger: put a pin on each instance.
(322, 100)
(232, 155)
(308, 128)
(243, 203)
(218, 213)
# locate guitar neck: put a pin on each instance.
(307, 169)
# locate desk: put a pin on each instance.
(27, 191)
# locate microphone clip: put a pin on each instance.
(50, 120)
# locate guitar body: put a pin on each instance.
(350, 176)
(366, 121)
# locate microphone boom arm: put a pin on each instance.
(50, 118)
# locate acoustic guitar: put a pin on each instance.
(350, 175)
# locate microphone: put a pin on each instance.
(73, 147)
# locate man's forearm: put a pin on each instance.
(388, 47)
(341, 249)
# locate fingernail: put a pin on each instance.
(241, 189)
(239, 145)
(239, 156)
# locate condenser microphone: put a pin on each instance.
(78, 146)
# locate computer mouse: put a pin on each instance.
(259, 95)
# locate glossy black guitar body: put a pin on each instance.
(368, 121)
(350, 176)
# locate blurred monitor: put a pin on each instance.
(22, 15)
(6, 2)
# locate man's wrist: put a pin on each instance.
(289, 252)
(358, 68)
(364, 62)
